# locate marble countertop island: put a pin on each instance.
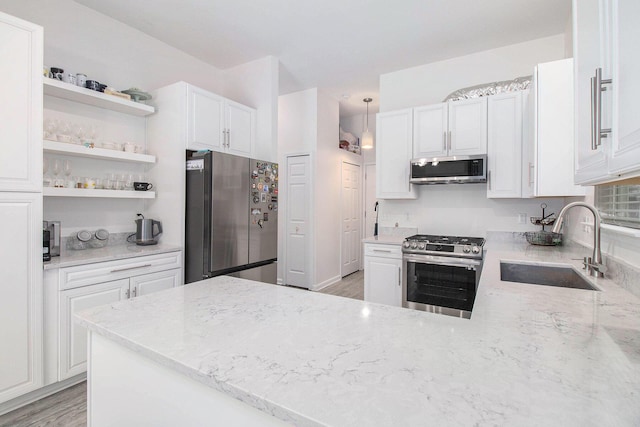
(529, 356)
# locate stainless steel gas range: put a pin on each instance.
(441, 273)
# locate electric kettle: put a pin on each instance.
(147, 230)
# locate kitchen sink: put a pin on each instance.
(563, 277)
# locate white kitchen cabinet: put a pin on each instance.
(625, 69)
(205, 120)
(430, 132)
(21, 306)
(21, 106)
(20, 293)
(73, 337)
(86, 286)
(549, 144)
(219, 124)
(504, 159)
(468, 127)
(450, 129)
(605, 37)
(154, 282)
(394, 148)
(383, 274)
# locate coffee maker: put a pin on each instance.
(147, 231)
(53, 227)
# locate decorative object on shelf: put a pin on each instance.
(543, 238)
(114, 92)
(137, 95)
(348, 142)
(367, 137)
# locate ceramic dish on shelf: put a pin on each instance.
(137, 95)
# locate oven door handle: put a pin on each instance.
(449, 262)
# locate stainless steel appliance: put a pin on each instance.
(449, 170)
(441, 273)
(147, 231)
(54, 228)
(231, 217)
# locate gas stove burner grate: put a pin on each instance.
(446, 240)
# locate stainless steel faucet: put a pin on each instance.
(594, 264)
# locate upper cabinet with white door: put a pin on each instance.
(607, 115)
(505, 145)
(625, 74)
(21, 106)
(450, 129)
(218, 124)
(394, 147)
(549, 141)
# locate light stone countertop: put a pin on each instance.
(385, 240)
(529, 356)
(69, 258)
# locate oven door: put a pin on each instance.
(440, 284)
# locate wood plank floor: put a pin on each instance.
(351, 286)
(66, 408)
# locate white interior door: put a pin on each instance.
(297, 251)
(350, 195)
(370, 199)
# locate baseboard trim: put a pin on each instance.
(25, 399)
(328, 282)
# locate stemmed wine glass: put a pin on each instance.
(45, 168)
(66, 167)
(57, 167)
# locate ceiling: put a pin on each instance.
(341, 46)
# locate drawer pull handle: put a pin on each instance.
(382, 250)
(117, 270)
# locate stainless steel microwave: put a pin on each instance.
(449, 170)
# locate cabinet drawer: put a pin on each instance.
(386, 251)
(82, 275)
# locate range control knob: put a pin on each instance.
(421, 245)
(466, 249)
(414, 245)
(475, 250)
(406, 244)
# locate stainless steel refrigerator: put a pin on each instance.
(231, 217)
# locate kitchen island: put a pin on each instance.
(230, 349)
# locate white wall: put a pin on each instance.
(463, 209)
(79, 39)
(308, 123)
(256, 84)
(431, 83)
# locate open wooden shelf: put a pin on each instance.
(95, 153)
(82, 192)
(97, 99)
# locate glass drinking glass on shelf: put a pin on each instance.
(78, 133)
(46, 181)
(50, 127)
(66, 167)
(56, 169)
(129, 182)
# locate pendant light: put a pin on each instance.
(367, 137)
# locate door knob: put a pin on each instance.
(297, 229)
